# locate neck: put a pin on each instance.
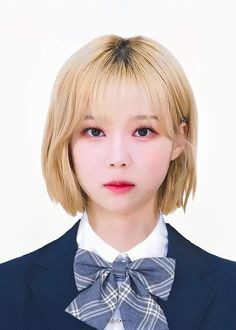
(122, 231)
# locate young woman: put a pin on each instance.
(120, 148)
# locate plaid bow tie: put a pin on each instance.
(99, 295)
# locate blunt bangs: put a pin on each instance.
(115, 87)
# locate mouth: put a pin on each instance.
(119, 184)
(119, 187)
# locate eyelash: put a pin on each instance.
(86, 129)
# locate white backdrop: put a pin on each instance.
(36, 37)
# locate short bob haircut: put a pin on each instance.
(102, 69)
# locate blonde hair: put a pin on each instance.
(83, 82)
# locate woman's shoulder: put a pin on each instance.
(15, 276)
(19, 276)
(23, 264)
(222, 262)
(226, 269)
(221, 273)
(218, 262)
(15, 273)
(200, 260)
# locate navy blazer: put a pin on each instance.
(36, 288)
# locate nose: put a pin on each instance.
(118, 153)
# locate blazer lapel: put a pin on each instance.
(53, 282)
(190, 296)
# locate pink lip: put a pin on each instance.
(119, 186)
(120, 189)
(119, 183)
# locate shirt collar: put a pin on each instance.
(155, 245)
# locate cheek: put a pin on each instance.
(84, 159)
(155, 162)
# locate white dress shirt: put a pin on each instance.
(155, 245)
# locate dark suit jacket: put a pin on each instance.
(36, 288)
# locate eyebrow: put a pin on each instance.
(136, 117)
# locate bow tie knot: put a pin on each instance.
(119, 268)
(142, 281)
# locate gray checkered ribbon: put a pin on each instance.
(142, 281)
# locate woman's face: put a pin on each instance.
(119, 149)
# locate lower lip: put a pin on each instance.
(119, 189)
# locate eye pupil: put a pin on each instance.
(95, 131)
(143, 131)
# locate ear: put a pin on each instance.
(179, 141)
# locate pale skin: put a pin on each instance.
(118, 149)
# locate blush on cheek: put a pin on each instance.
(157, 167)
